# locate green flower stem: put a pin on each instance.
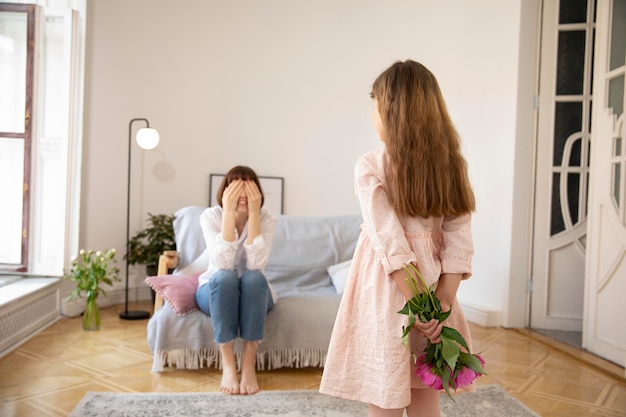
(91, 316)
(418, 287)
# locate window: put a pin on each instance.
(17, 39)
(40, 141)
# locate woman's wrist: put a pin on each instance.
(228, 227)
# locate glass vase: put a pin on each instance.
(91, 316)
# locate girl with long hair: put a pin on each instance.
(416, 201)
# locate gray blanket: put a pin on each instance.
(298, 325)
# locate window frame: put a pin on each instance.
(30, 10)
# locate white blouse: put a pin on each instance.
(236, 255)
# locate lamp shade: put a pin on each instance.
(147, 138)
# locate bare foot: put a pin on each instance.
(249, 384)
(230, 382)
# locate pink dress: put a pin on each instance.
(366, 359)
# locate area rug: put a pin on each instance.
(488, 401)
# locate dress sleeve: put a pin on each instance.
(458, 247)
(221, 253)
(258, 253)
(382, 224)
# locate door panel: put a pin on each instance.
(605, 274)
(560, 224)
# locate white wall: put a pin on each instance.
(283, 86)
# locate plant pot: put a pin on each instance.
(91, 316)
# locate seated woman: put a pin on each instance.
(233, 290)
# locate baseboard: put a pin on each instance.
(76, 307)
(485, 316)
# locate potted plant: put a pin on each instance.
(90, 270)
(145, 247)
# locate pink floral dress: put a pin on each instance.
(366, 359)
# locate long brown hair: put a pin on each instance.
(239, 172)
(427, 175)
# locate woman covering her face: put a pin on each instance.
(233, 290)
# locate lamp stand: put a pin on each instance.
(134, 314)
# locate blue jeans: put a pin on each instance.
(237, 305)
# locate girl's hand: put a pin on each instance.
(430, 330)
(445, 304)
(447, 289)
(230, 198)
(254, 197)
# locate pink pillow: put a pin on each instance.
(178, 290)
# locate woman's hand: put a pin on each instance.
(254, 197)
(230, 198)
(254, 210)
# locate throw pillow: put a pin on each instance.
(178, 290)
(189, 239)
(339, 274)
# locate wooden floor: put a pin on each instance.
(49, 374)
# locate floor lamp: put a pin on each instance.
(147, 138)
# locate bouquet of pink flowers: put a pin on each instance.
(443, 365)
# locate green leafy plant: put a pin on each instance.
(147, 245)
(90, 270)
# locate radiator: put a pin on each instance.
(27, 306)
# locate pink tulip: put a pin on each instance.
(465, 377)
(425, 372)
(481, 359)
(437, 385)
(424, 369)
